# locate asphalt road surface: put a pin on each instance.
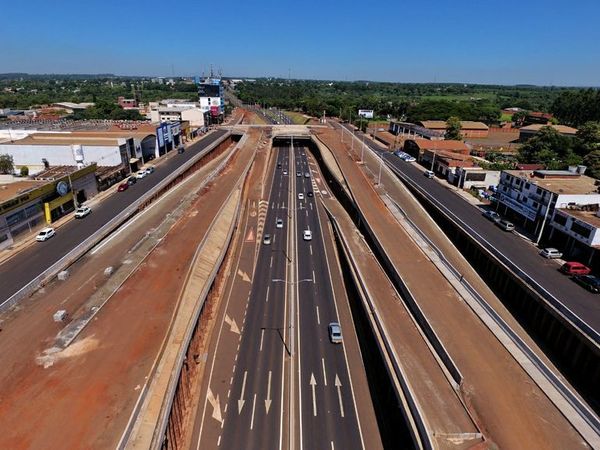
(19, 270)
(525, 256)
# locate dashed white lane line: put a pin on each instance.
(253, 407)
(318, 316)
(267, 296)
(262, 335)
(324, 373)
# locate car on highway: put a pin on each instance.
(492, 215)
(131, 180)
(267, 239)
(149, 170)
(590, 282)
(123, 186)
(141, 174)
(285, 172)
(429, 173)
(335, 333)
(82, 211)
(306, 174)
(575, 268)
(307, 235)
(551, 253)
(505, 225)
(279, 223)
(298, 173)
(309, 194)
(279, 165)
(45, 234)
(300, 196)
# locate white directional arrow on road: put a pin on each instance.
(268, 400)
(338, 385)
(244, 275)
(241, 400)
(313, 383)
(216, 404)
(232, 325)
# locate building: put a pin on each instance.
(530, 198)
(475, 177)
(531, 130)
(537, 117)
(212, 99)
(71, 107)
(192, 114)
(414, 130)
(128, 103)
(468, 129)
(25, 206)
(445, 163)
(417, 147)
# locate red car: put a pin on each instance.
(575, 268)
(123, 187)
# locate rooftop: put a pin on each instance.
(560, 128)
(100, 138)
(426, 144)
(11, 190)
(464, 124)
(589, 217)
(572, 184)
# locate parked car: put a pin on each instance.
(131, 180)
(141, 174)
(267, 239)
(149, 170)
(307, 235)
(123, 186)
(492, 215)
(82, 211)
(181, 149)
(590, 282)
(279, 223)
(279, 165)
(300, 196)
(551, 253)
(429, 173)
(409, 158)
(335, 333)
(575, 268)
(45, 234)
(506, 225)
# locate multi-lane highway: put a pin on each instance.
(522, 254)
(32, 261)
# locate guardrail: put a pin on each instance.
(82, 248)
(553, 302)
(419, 429)
(581, 407)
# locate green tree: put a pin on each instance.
(6, 164)
(453, 128)
(24, 171)
(588, 138)
(518, 118)
(592, 161)
(550, 148)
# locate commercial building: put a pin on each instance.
(445, 163)
(192, 114)
(127, 103)
(212, 99)
(531, 198)
(468, 129)
(417, 147)
(25, 206)
(531, 130)
(414, 130)
(475, 177)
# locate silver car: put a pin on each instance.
(335, 333)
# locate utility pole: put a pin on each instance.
(537, 241)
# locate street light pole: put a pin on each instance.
(380, 167)
(537, 242)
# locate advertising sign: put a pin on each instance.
(160, 136)
(366, 113)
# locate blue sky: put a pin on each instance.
(551, 42)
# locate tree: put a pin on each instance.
(518, 118)
(453, 128)
(550, 148)
(7, 165)
(588, 138)
(592, 161)
(24, 171)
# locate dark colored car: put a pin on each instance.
(492, 215)
(123, 186)
(309, 194)
(575, 268)
(131, 180)
(590, 282)
(180, 149)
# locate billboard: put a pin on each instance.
(366, 113)
(209, 90)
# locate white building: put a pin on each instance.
(172, 113)
(531, 197)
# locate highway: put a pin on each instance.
(19, 270)
(522, 254)
(328, 417)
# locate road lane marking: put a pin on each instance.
(338, 385)
(216, 404)
(310, 248)
(271, 263)
(332, 447)
(268, 399)
(253, 406)
(311, 207)
(241, 401)
(262, 335)
(267, 296)
(314, 280)
(232, 325)
(313, 383)
(324, 373)
(244, 275)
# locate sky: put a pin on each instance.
(551, 42)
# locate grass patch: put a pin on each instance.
(297, 118)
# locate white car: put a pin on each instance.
(279, 223)
(551, 253)
(335, 333)
(149, 170)
(300, 196)
(82, 211)
(141, 174)
(45, 234)
(307, 235)
(284, 172)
